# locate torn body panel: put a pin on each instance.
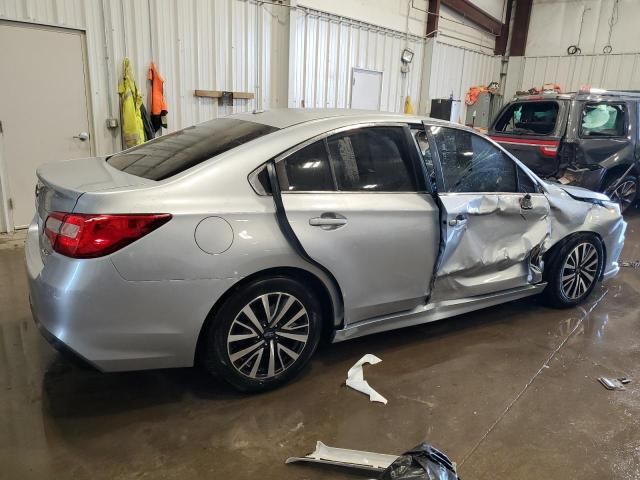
(575, 209)
(489, 242)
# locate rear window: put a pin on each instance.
(529, 118)
(171, 154)
(602, 120)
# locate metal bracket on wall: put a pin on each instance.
(224, 98)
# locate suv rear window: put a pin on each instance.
(176, 152)
(602, 120)
(529, 118)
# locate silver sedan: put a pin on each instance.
(241, 242)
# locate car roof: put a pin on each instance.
(288, 117)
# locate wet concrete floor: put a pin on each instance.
(509, 392)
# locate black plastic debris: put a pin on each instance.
(423, 462)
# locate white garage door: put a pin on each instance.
(43, 108)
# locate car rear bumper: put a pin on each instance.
(114, 324)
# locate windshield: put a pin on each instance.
(171, 154)
(529, 118)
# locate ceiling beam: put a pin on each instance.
(520, 27)
(475, 14)
(433, 15)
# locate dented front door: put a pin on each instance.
(493, 218)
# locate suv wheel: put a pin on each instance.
(574, 270)
(264, 334)
(625, 193)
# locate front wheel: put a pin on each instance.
(264, 334)
(574, 270)
(625, 192)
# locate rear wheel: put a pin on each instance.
(574, 270)
(625, 192)
(263, 335)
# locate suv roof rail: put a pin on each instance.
(602, 91)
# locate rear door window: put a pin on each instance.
(471, 164)
(529, 118)
(176, 152)
(306, 170)
(603, 120)
(374, 159)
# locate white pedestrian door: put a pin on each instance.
(43, 108)
(366, 88)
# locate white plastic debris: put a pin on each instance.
(346, 458)
(355, 378)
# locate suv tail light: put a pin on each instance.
(549, 150)
(81, 235)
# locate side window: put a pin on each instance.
(525, 184)
(307, 169)
(420, 136)
(373, 159)
(529, 118)
(603, 120)
(471, 164)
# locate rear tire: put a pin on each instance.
(263, 335)
(625, 193)
(574, 270)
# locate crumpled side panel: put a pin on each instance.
(570, 215)
(490, 249)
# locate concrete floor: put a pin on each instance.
(508, 393)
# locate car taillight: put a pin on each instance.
(550, 150)
(81, 235)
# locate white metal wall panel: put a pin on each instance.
(454, 70)
(324, 49)
(571, 72)
(200, 44)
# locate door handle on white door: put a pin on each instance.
(328, 221)
(82, 136)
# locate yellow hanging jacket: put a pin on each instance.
(130, 102)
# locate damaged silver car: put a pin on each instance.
(241, 242)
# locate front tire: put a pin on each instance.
(625, 192)
(263, 335)
(574, 270)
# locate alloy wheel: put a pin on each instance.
(268, 335)
(579, 270)
(624, 194)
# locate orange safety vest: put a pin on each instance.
(158, 103)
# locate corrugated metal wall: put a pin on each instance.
(325, 48)
(571, 72)
(454, 70)
(198, 44)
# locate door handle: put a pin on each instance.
(459, 220)
(82, 136)
(328, 221)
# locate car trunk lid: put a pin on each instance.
(61, 184)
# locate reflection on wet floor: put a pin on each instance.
(509, 392)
